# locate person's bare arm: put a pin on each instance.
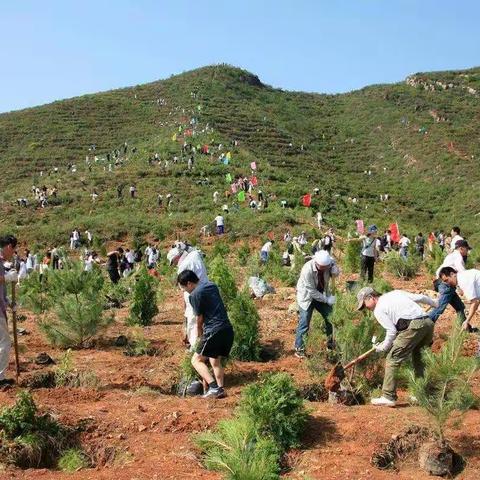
(200, 326)
(471, 312)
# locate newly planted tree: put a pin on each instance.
(245, 320)
(445, 389)
(144, 299)
(72, 306)
(220, 273)
(404, 268)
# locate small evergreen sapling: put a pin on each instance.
(445, 387)
(144, 299)
(245, 320)
(73, 297)
(220, 273)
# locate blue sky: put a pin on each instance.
(55, 49)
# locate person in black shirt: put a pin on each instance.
(113, 264)
(215, 331)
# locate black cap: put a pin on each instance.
(462, 243)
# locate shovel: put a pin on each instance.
(337, 373)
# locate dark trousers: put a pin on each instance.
(114, 275)
(366, 266)
(448, 296)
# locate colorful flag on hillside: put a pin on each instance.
(225, 160)
(228, 177)
(360, 226)
(229, 155)
(253, 166)
(271, 235)
(307, 200)
(394, 232)
(241, 196)
(254, 181)
(174, 137)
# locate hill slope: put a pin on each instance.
(418, 139)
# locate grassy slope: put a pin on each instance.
(432, 183)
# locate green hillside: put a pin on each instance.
(420, 140)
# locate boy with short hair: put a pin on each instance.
(214, 330)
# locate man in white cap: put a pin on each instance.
(408, 330)
(313, 293)
(188, 258)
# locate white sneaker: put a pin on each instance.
(383, 402)
(413, 399)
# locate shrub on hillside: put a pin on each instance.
(276, 409)
(144, 299)
(245, 320)
(351, 262)
(434, 259)
(220, 273)
(243, 254)
(235, 449)
(445, 387)
(404, 268)
(30, 440)
(72, 297)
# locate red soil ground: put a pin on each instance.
(140, 435)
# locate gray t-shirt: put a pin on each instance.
(206, 300)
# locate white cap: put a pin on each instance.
(173, 253)
(322, 258)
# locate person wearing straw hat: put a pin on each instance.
(313, 293)
(408, 330)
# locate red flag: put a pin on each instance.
(394, 232)
(254, 181)
(306, 200)
(360, 226)
(271, 235)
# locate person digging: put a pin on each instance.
(214, 331)
(408, 331)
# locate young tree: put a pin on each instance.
(220, 273)
(244, 318)
(144, 302)
(71, 295)
(445, 387)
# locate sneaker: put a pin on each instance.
(383, 402)
(217, 392)
(7, 382)
(413, 399)
(300, 353)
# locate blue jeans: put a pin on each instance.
(448, 296)
(264, 256)
(304, 318)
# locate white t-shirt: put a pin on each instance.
(393, 306)
(454, 260)
(455, 239)
(219, 221)
(267, 247)
(469, 283)
(404, 242)
(193, 261)
(130, 257)
(89, 264)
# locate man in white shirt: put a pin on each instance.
(188, 258)
(265, 251)
(369, 253)
(455, 233)
(220, 223)
(215, 196)
(469, 282)
(408, 330)
(448, 294)
(313, 293)
(404, 243)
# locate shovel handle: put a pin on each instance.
(359, 359)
